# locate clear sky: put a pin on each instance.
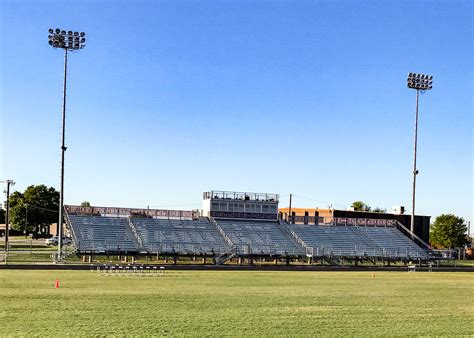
(172, 98)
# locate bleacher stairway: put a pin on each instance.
(259, 237)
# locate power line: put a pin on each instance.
(41, 208)
(314, 200)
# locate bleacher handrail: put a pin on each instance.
(221, 231)
(403, 229)
(71, 228)
(371, 239)
(135, 233)
(308, 249)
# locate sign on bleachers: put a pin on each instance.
(75, 209)
(364, 221)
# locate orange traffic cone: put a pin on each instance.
(56, 285)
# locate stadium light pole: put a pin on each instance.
(419, 82)
(68, 41)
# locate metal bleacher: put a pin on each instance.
(356, 241)
(113, 234)
(180, 236)
(100, 234)
(394, 242)
(336, 240)
(259, 237)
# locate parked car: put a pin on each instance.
(54, 241)
(39, 236)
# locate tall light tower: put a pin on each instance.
(68, 41)
(419, 82)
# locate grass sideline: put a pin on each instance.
(210, 303)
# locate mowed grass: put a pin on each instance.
(240, 303)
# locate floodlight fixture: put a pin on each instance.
(60, 39)
(419, 82)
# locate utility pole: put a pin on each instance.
(289, 210)
(26, 220)
(469, 230)
(7, 214)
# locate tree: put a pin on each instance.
(2, 216)
(17, 210)
(360, 206)
(39, 201)
(448, 231)
(85, 204)
(379, 210)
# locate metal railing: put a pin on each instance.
(232, 252)
(65, 253)
(135, 233)
(419, 241)
(309, 251)
(71, 227)
(371, 240)
(262, 249)
(187, 248)
(244, 196)
(221, 231)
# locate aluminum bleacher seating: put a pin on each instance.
(394, 242)
(106, 234)
(357, 241)
(259, 237)
(102, 234)
(336, 240)
(180, 236)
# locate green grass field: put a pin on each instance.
(240, 303)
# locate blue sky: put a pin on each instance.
(173, 98)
